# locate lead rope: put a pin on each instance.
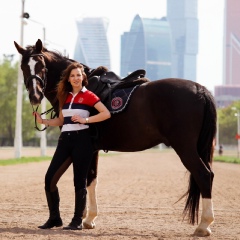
(53, 115)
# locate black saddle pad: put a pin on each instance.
(119, 99)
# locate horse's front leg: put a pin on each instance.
(90, 212)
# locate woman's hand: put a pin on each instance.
(38, 117)
(77, 118)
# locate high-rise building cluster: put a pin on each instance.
(164, 47)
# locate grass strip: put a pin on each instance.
(14, 161)
(227, 159)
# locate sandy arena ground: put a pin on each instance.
(136, 195)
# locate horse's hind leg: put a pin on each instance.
(91, 210)
(203, 177)
(207, 218)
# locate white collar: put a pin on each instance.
(82, 90)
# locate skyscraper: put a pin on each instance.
(231, 56)
(148, 46)
(92, 47)
(230, 90)
(182, 16)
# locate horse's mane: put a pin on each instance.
(55, 56)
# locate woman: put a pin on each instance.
(74, 144)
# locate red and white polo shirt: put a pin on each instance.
(78, 104)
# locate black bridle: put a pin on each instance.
(43, 83)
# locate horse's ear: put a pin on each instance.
(20, 49)
(39, 46)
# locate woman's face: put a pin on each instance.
(76, 78)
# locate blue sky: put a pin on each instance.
(59, 20)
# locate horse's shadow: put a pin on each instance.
(28, 231)
(84, 232)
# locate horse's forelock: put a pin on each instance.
(28, 52)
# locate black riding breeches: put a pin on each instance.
(73, 147)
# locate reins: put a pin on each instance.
(53, 115)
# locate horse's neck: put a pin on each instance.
(55, 69)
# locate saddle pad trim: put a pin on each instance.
(118, 99)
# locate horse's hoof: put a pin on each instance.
(89, 225)
(199, 232)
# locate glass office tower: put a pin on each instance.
(182, 16)
(147, 46)
(92, 47)
(230, 90)
(231, 49)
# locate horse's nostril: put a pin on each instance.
(34, 104)
(34, 100)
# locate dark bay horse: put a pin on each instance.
(179, 113)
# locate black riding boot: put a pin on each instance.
(54, 214)
(80, 204)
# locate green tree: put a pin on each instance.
(8, 76)
(51, 132)
(28, 130)
(227, 122)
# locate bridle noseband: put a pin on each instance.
(43, 82)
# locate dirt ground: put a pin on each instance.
(136, 195)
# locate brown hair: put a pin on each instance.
(64, 86)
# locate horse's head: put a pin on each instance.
(34, 71)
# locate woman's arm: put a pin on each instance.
(101, 116)
(50, 122)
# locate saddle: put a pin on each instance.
(104, 83)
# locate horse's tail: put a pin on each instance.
(205, 149)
